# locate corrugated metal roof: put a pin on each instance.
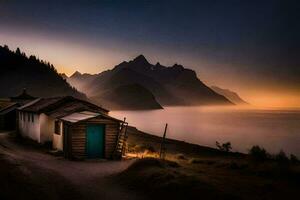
(112, 118)
(80, 116)
(85, 115)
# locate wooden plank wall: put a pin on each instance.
(78, 140)
(111, 137)
(79, 137)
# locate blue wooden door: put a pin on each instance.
(95, 141)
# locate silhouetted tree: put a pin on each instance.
(294, 159)
(6, 47)
(224, 147)
(32, 57)
(28, 71)
(281, 157)
(259, 153)
(18, 51)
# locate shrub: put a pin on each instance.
(281, 157)
(294, 159)
(224, 147)
(258, 153)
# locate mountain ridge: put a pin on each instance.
(171, 86)
(231, 95)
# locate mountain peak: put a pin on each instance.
(77, 73)
(141, 59)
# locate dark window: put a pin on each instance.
(57, 127)
(20, 115)
(32, 117)
(28, 116)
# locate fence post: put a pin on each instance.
(162, 148)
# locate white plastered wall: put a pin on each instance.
(28, 128)
(40, 129)
(58, 139)
(46, 128)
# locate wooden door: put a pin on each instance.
(95, 141)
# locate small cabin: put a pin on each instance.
(8, 109)
(87, 135)
(80, 129)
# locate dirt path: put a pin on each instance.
(90, 178)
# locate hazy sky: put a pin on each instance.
(251, 47)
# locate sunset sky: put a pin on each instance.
(251, 47)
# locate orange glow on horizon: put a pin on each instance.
(68, 56)
(275, 100)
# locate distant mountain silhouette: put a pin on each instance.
(39, 78)
(174, 85)
(232, 96)
(115, 90)
(80, 81)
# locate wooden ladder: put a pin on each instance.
(121, 142)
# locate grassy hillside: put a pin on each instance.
(197, 172)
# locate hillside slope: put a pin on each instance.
(232, 96)
(130, 97)
(40, 78)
